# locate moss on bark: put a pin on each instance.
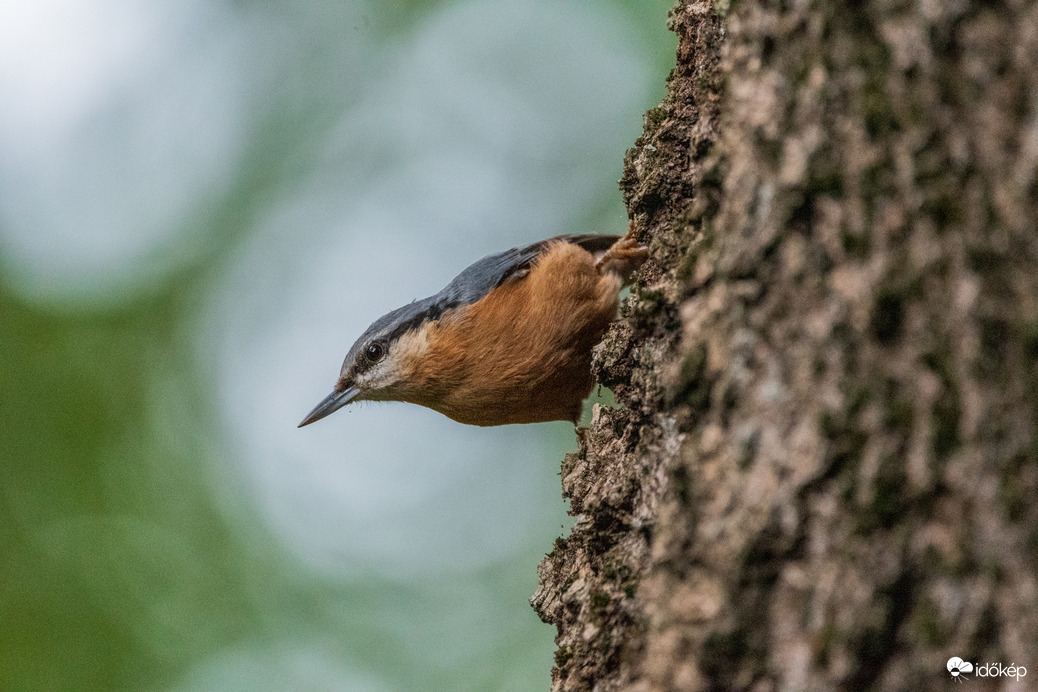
(826, 468)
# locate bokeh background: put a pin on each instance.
(202, 204)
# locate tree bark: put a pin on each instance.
(824, 474)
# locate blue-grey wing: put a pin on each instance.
(490, 272)
(473, 283)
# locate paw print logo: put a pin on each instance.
(958, 668)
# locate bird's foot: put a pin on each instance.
(624, 256)
(581, 435)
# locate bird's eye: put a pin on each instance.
(375, 351)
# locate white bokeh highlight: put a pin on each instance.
(119, 121)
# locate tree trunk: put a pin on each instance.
(825, 472)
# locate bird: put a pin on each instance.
(507, 341)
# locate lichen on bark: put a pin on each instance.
(824, 472)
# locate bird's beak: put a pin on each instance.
(330, 404)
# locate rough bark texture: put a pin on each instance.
(825, 472)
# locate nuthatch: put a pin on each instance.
(507, 341)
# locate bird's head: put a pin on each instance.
(380, 363)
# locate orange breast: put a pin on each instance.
(522, 354)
